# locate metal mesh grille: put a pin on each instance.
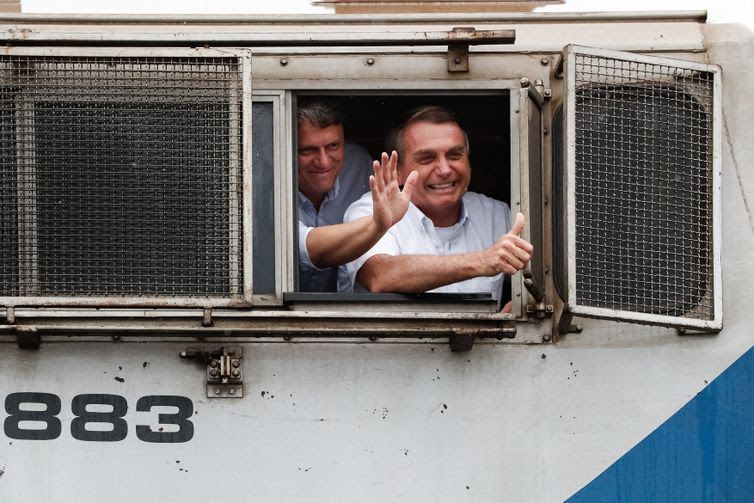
(643, 187)
(120, 176)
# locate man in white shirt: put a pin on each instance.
(450, 240)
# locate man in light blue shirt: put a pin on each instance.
(331, 175)
(450, 240)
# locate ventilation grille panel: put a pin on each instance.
(643, 187)
(120, 176)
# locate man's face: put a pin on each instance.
(438, 152)
(320, 159)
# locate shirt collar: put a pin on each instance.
(463, 217)
(331, 194)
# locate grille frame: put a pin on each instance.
(714, 117)
(239, 175)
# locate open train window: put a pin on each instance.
(486, 118)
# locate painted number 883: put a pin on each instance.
(41, 422)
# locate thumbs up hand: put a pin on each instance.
(510, 253)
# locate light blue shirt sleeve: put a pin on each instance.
(303, 254)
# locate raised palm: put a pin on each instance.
(390, 203)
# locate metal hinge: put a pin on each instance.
(224, 368)
(460, 38)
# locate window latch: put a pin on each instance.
(224, 367)
(534, 290)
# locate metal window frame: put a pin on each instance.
(424, 88)
(521, 100)
(568, 59)
(281, 159)
(245, 298)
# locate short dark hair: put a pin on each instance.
(319, 113)
(430, 113)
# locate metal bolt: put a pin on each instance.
(370, 61)
(283, 61)
(217, 391)
(548, 308)
(235, 363)
(517, 110)
(236, 373)
(546, 131)
(214, 373)
(546, 338)
(457, 61)
(214, 363)
(545, 61)
(548, 93)
(232, 391)
(525, 82)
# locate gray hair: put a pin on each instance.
(319, 114)
(431, 113)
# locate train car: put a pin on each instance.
(156, 345)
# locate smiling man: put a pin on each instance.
(450, 240)
(332, 174)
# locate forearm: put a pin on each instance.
(419, 273)
(333, 245)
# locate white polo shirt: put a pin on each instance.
(482, 222)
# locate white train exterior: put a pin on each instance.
(154, 346)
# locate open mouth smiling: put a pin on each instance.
(441, 186)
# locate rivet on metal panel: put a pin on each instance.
(458, 57)
(236, 373)
(548, 94)
(207, 317)
(214, 373)
(545, 131)
(524, 82)
(232, 391)
(213, 363)
(546, 338)
(283, 61)
(545, 61)
(370, 61)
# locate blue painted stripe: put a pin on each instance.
(703, 453)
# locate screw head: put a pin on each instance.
(236, 373)
(214, 373)
(235, 363)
